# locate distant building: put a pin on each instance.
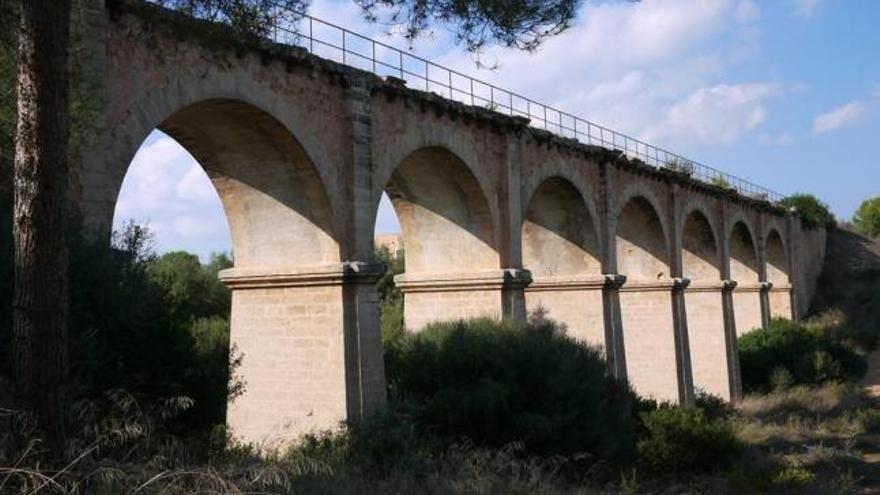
(393, 242)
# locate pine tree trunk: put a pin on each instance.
(39, 219)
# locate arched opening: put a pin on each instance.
(701, 264)
(642, 254)
(700, 256)
(777, 275)
(560, 248)
(646, 301)
(286, 311)
(448, 239)
(278, 212)
(744, 270)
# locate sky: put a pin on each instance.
(785, 93)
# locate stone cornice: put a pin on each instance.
(664, 285)
(309, 276)
(752, 287)
(567, 282)
(510, 278)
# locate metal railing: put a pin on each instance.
(333, 42)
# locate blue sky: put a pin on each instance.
(785, 93)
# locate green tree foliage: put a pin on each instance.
(154, 326)
(247, 16)
(812, 210)
(867, 217)
(521, 24)
(806, 355)
(390, 298)
(495, 384)
(679, 439)
(190, 290)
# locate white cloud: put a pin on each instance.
(718, 114)
(166, 189)
(196, 185)
(839, 117)
(804, 8)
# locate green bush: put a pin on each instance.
(870, 420)
(813, 211)
(683, 438)
(154, 326)
(390, 297)
(867, 217)
(801, 355)
(494, 384)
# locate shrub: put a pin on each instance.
(870, 420)
(392, 323)
(813, 211)
(809, 357)
(495, 383)
(683, 438)
(793, 477)
(867, 217)
(713, 406)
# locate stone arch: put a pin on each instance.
(744, 268)
(410, 144)
(288, 277)
(278, 212)
(558, 170)
(704, 304)
(641, 241)
(776, 258)
(444, 215)
(777, 269)
(559, 231)
(701, 254)
(451, 264)
(560, 248)
(645, 300)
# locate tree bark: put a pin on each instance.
(40, 303)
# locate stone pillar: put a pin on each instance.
(732, 353)
(712, 348)
(650, 339)
(765, 303)
(615, 350)
(683, 362)
(748, 307)
(310, 350)
(431, 297)
(575, 302)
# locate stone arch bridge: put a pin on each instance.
(498, 219)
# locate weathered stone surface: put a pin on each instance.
(498, 218)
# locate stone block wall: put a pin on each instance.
(649, 342)
(708, 347)
(579, 311)
(291, 345)
(747, 309)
